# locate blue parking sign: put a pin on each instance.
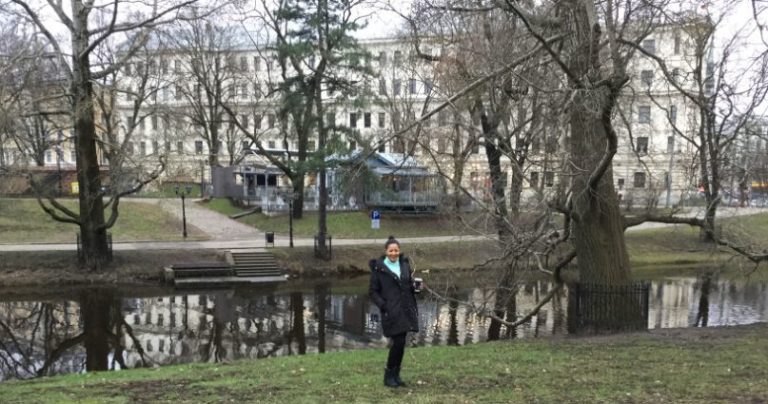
(375, 215)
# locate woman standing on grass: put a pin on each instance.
(392, 290)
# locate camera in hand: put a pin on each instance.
(417, 283)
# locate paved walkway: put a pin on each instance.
(226, 233)
(217, 226)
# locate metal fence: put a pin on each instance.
(81, 254)
(600, 308)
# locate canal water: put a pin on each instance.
(98, 329)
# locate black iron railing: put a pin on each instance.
(608, 308)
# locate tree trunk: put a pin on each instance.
(598, 232)
(498, 179)
(93, 233)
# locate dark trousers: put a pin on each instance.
(396, 351)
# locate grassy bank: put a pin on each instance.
(678, 365)
(60, 267)
(23, 221)
(354, 259)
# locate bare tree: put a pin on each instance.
(721, 99)
(88, 26)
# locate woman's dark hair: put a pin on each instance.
(391, 240)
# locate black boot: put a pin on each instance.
(389, 378)
(399, 381)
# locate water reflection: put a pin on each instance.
(98, 329)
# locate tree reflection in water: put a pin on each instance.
(98, 329)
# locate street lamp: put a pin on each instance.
(183, 193)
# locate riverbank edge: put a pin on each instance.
(694, 365)
(132, 268)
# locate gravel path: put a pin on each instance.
(217, 226)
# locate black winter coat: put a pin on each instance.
(394, 297)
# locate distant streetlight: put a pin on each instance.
(183, 193)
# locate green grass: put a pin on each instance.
(692, 366)
(679, 250)
(23, 221)
(349, 224)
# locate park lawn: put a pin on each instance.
(674, 365)
(23, 221)
(353, 224)
(678, 250)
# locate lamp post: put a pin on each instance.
(183, 193)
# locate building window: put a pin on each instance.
(48, 156)
(271, 121)
(441, 145)
(311, 145)
(180, 147)
(641, 145)
(243, 63)
(676, 75)
(73, 155)
(155, 147)
(396, 84)
(167, 147)
(677, 44)
(551, 145)
(367, 119)
(442, 118)
(535, 146)
(256, 64)
(271, 144)
(428, 86)
(639, 180)
(382, 147)
(352, 145)
(412, 86)
(534, 179)
(646, 77)
(382, 119)
(475, 146)
(177, 94)
(620, 183)
(398, 58)
(244, 121)
(670, 144)
(352, 120)
(382, 58)
(649, 45)
(644, 114)
(673, 114)
(129, 148)
(330, 120)
(549, 179)
(198, 147)
(382, 86)
(257, 121)
(246, 145)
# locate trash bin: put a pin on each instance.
(269, 238)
